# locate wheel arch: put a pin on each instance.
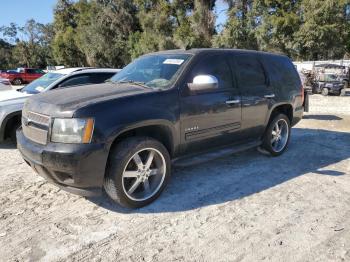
(283, 108)
(8, 120)
(159, 130)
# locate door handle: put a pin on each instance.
(232, 102)
(270, 96)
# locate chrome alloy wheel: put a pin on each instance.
(144, 174)
(280, 134)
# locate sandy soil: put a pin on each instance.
(246, 207)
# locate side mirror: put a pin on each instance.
(203, 83)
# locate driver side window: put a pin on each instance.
(215, 65)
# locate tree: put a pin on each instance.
(324, 33)
(104, 28)
(203, 22)
(32, 44)
(239, 31)
(5, 54)
(156, 27)
(278, 22)
(64, 45)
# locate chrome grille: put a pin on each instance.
(37, 118)
(36, 127)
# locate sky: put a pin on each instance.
(20, 11)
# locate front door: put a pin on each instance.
(210, 118)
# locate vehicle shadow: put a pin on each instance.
(248, 173)
(322, 117)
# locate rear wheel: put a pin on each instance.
(325, 91)
(277, 135)
(17, 82)
(138, 171)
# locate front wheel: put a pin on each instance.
(325, 91)
(138, 171)
(277, 135)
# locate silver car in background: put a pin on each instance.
(12, 101)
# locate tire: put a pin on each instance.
(125, 181)
(269, 136)
(13, 132)
(325, 91)
(17, 82)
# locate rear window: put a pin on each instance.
(249, 71)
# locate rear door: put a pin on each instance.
(255, 92)
(211, 118)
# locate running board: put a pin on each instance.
(212, 155)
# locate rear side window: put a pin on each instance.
(249, 71)
(215, 65)
(98, 78)
(282, 71)
(76, 80)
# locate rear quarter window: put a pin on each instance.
(282, 71)
(98, 78)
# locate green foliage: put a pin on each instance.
(239, 31)
(324, 32)
(109, 33)
(280, 20)
(32, 45)
(103, 31)
(64, 45)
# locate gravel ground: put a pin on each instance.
(246, 207)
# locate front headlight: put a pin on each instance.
(72, 131)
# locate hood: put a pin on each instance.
(64, 102)
(12, 96)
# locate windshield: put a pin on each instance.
(155, 71)
(41, 83)
(329, 78)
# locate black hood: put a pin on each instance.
(63, 102)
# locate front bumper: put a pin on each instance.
(76, 168)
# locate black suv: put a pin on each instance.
(173, 107)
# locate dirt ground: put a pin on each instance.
(246, 207)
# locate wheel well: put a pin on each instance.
(10, 124)
(157, 132)
(284, 109)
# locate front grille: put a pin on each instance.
(37, 118)
(36, 126)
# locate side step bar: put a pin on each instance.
(212, 155)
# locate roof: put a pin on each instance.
(195, 51)
(330, 66)
(67, 71)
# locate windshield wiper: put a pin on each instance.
(142, 84)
